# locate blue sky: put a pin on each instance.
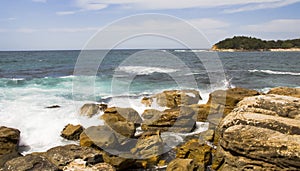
(69, 24)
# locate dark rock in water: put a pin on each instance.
(197, 150)
(175, 98)
(53, 107)
(100, 137)
(262, 133)
(6, 157)
(61, 156)
(182, 165)
(9, 140)
(181, 119)
(285, 91)
(72, 132)
(90, 109)
(30, 162)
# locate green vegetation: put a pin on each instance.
(250, 43)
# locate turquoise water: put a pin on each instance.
(31, 81)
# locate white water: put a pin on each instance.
(144, 70)
(275, 72)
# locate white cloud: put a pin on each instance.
(73, 30)
(245, 5)
(276, 26)
(43, 1)
(258, 6)
(65, 12)
(26, 30)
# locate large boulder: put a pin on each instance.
(61, 156)
(72, 132)
(9, 140)
(197, 150)
(224, 101)
(30, 162)
(100, 137)
(120, 162)
(175, 98)
(285, 91)
(180, 119)
(148, 148)
(181, 165)
(262, 133)
(91, 109)
(121, 114)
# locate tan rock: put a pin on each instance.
(285, 91)
(175, 98)
(72, 132)
(9, 140)
(181, 165)
(91, 109)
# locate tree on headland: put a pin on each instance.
(251, 43)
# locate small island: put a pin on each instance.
(244, 43)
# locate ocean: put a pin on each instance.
(31, 81)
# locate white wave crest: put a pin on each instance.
(144, 70)
(275, 72)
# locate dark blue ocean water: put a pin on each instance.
(33, 80)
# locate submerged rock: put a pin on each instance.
(9, 140)
(72, 132)
(285, 91)
(30, 162)
(53, 107)
(175, 98)
(262, 133)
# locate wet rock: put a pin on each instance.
(285, 91)
(90, 109)
(9, 140)
(61, 156)
(197, 150)
(100, 137)
(53, 107)
(181, 165)
(30, 162)
(262, 133)
(175, 98)
(202, 111)
(181, 119)
(72, 132)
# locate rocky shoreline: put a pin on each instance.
(248, 130)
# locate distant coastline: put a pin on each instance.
(249, 44)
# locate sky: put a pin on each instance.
(71, 24)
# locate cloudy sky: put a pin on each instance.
(69, 24)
